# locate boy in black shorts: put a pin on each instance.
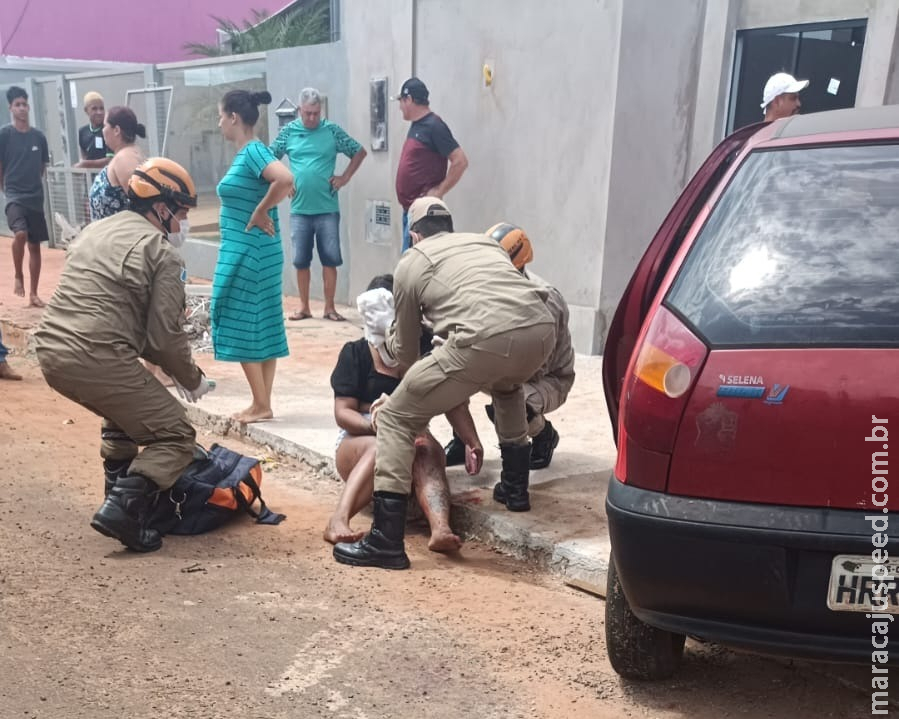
(23, 162)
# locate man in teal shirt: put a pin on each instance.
(311, 144)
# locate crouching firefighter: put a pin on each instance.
(548, 389)
(121, 298)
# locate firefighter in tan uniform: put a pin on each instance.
(497, 332)
(548, 389)
(121, 298)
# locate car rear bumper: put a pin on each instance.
(752, 576)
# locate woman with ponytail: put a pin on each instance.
(247, 312)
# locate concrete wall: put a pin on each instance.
(537, 139)
(378, 38)
(877, 79)
(773, 13)
(653, 115)
(585, 137)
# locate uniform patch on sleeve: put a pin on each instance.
(184, 275)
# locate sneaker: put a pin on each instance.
(543, 446)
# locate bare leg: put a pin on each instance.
(329, 282)
(261, 407)
(18, 257)
(34, 270)
(268, 376)
(432, 492)
(303, 279)
(355, 460)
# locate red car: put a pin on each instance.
(752, 376)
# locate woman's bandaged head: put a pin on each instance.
(376, 308)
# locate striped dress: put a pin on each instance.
(247, 315)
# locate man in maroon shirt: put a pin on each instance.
(428, 148)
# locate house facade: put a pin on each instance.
(582, 120)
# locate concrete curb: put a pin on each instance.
(580, 563)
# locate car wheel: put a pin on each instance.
(637, 650)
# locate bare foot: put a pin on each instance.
(19, 288)
(444, 541)
(252, 414)
(35, 301)
(339, 531)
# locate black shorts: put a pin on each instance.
(22, 219)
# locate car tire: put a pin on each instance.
(637, 650)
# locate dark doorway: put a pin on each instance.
(829, 55)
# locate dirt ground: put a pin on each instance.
(259, 622)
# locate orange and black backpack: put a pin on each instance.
(214, 488)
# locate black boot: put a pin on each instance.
(512, 489)
(455, 451)
(113, 469)
(383, 546)
(125, 513)
(543, 446)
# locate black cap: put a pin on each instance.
(416, 89)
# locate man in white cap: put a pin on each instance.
(781, 96)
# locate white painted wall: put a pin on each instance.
(538, 139)
(378, 37)
(653, 116)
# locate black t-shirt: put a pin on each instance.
(92, 143)
(355, 374)
(423, 158)
(23, 156)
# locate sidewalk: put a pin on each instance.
(565, 531)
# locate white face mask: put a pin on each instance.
(176, 239)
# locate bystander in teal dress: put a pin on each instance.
(247, 313)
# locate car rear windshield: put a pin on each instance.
(802, 248)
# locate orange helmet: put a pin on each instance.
(515, 241)
(162, 179)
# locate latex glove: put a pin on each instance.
(474, 459)
(192, 395)
(437, 341)
(376, 408)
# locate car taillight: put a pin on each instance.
(662, 372)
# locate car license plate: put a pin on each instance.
(852, 585)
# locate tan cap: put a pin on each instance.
(427, 207)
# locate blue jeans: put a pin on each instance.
(321, 230)
(3, 350)
(407, 240)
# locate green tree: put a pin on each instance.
(307, 24)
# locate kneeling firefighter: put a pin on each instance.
(121, 299)
(548, 389)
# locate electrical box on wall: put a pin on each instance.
(286, 112)
(378, 230)
(378, 95)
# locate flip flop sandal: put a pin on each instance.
(334, 317)
(300, 316)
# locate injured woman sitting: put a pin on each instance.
(360, 378)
